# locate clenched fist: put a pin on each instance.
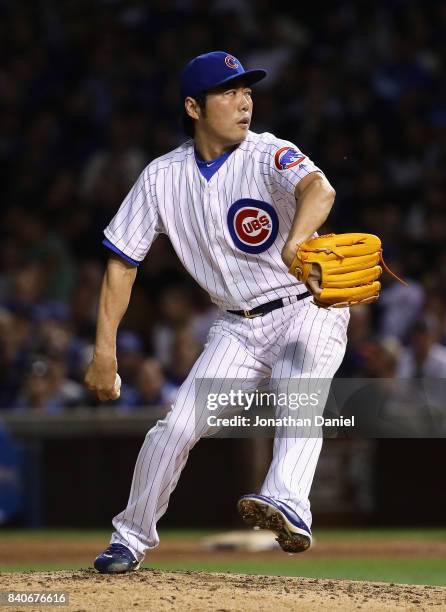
(103, 378)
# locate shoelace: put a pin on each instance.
(119, 548)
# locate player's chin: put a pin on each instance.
(239, 133)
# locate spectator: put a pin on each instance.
(381, 358)
(44, 249)
(176, 310)
(130, 356)
(397, 320)
(83, 114)
(151, 387)
(424, 357)
(359, 331)
(47, 390)
(183, 353)
(15, 347)
(111, 172)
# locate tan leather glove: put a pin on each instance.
(346, 266)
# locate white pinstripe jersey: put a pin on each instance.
(228, 231)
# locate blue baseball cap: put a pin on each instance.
(210, 70)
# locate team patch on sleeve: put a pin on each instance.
(287, 157)
(253, 225)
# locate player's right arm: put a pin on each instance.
(129, 236)
(113, 302)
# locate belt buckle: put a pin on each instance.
(251, 316)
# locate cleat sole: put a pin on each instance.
(262, 516)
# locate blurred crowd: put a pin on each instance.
(89, 95)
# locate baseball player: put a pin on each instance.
(235, 205)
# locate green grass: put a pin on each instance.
(408, 571)
(416, 533)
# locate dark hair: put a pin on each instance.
(187, 122)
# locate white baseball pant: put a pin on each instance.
(298, 341)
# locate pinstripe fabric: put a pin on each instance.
(312, 352)
(294, 343)
(166, 447)
(171, 196)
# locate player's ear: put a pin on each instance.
(192, 108)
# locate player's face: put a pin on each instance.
(228, 114)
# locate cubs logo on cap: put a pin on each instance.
(287, 157)
(231, 62)
(253, 225)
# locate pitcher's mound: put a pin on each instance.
(151, 589)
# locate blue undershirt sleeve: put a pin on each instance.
(126, 258)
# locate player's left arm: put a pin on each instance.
(314, 200)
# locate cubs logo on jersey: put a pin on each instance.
(287, 157)
(253, 225)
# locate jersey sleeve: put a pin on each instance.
(288, 165)
(136, 224)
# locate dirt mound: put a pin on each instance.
(151, 589)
